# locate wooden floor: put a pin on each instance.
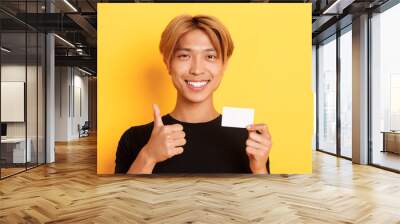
(10, 171)
(69, 191)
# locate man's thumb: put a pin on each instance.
(157, 116)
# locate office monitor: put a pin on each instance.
(3, 129)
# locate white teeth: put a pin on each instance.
(197, 84)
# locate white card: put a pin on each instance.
(237, 117)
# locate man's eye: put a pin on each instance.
(212, 57)
(183, 56)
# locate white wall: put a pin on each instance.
(62, 81)
(16, 73)
(80, 84)
(71, 93)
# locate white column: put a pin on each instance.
(50, 92)
(50, 99)
(360, 90)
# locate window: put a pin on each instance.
(346, 93)
(385, 88)
(327, 95)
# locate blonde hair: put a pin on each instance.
(180, 25)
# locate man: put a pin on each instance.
(190, 139)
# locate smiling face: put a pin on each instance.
(195, 67)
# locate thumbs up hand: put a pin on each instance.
(165, 141)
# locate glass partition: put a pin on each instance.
(22, 88)
(14, 153)
(327, 95)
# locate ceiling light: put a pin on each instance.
(84, 71)
(5, 50)
(337, 7)
(65, 41)
(70, 5)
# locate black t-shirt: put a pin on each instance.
(209, 148)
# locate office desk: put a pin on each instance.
(391, 141)
(13, 150)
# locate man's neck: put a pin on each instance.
(187, 111)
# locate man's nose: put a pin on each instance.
(196, 67)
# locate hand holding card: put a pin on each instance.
(258, 147)
(258, 143)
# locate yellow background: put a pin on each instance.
(270, 70)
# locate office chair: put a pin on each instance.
(84, 130)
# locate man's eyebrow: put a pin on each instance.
(182, 49)
(188, 49)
